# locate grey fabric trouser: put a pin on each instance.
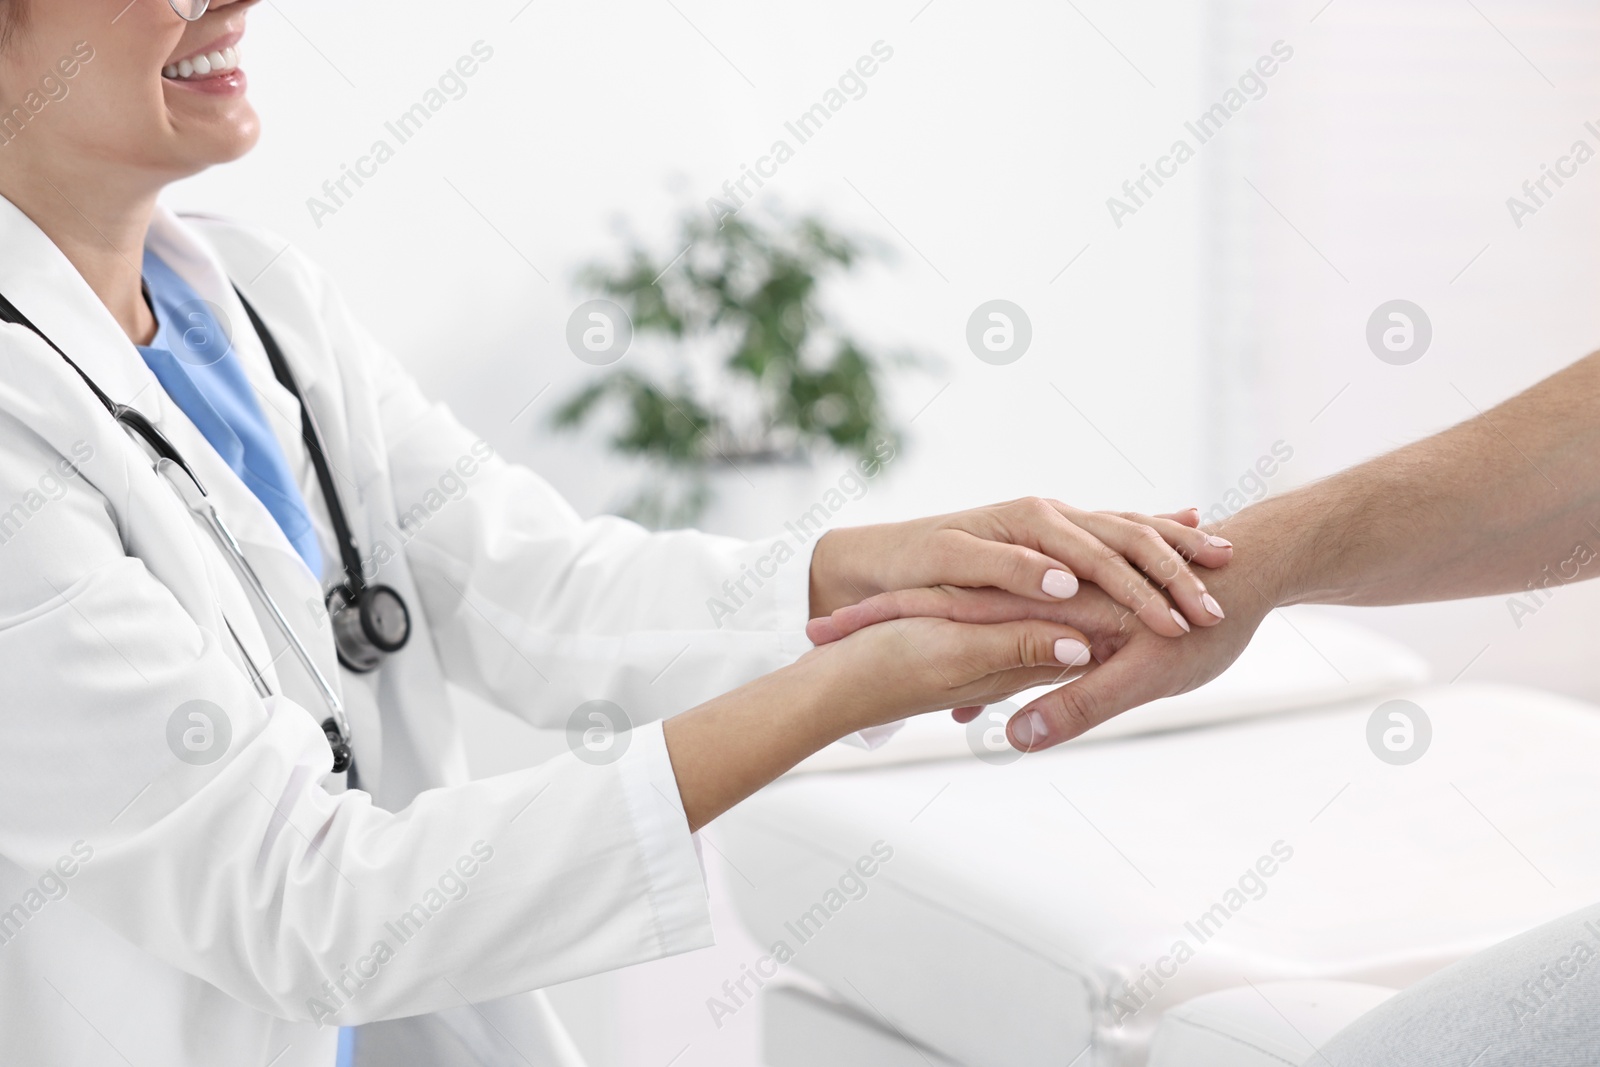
(1532, 1001)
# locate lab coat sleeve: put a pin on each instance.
(242, 870)
(539, 611)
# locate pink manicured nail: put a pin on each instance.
(1072, 652)
(1180, 620)
(1219, 542)
(1212, 606)
(1059, 584)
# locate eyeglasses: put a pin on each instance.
(189, 10)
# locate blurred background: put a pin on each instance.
(1209, 329)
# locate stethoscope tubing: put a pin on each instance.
(201, 505)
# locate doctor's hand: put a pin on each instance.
(1041, 550)
(732, 745)
(889, 670)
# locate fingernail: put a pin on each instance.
(1072, 652)
(1180, 620)
(1029, 730)
(1219, 542)
(1059, 584)
(1212, 606)
(1039, 728)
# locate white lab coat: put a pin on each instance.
(208, 905)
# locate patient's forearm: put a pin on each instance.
(1484, 507)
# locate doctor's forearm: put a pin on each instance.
(1509, 497)
(727, 748)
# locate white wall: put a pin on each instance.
(988, 141)
(1392, 147)
(1189, 339)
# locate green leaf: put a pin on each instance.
(755, 290)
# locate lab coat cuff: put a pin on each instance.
(676, 880)
(793, 597)
(794, 602)
(873, 736)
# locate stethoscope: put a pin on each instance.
(368, 621)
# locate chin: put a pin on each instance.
(222, 144)
(243, 138)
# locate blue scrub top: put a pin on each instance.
(194, 359)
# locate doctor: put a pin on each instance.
(234, 811)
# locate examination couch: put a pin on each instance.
(1233, 891)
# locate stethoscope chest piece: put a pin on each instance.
(368, 624)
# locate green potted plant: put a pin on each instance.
(760, 375)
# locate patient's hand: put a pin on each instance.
(1036, 549)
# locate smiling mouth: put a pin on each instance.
(205, 65)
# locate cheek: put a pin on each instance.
(115, 104)
(111, 99)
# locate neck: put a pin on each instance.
(101, 235)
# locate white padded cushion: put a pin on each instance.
(1276, 1024)
(1021, 900)
(1300, 658)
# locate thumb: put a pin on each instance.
(957, 605)
(823, 631)
(896, 604)
(1124, 681)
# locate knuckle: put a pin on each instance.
(1038, 508)
(1107, 556)
(1075, 710)
(1169, 566)
(1147, 537)
(1015, 567)
(1038, 648)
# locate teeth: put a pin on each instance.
(202, 65)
